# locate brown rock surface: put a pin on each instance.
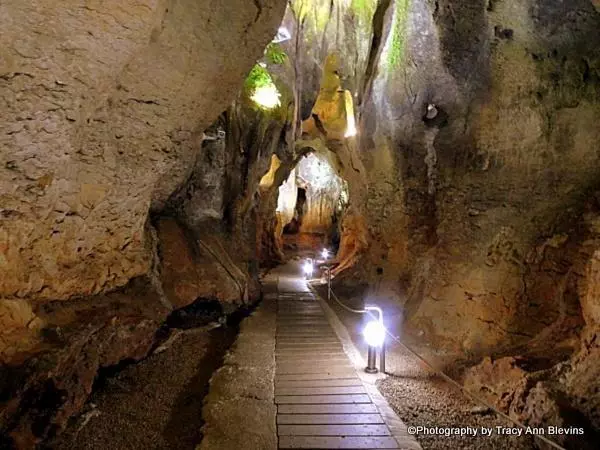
(104, 103)
(204, 270)
(102, 120)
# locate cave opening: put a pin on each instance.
(296, 223)
(310, 205)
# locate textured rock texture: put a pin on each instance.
(469, 206)
(477, 217)
(104, 105)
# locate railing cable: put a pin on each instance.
(446, 377)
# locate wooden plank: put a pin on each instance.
(301, 329)
(319, 383)
(321, 399)
(328, 390)
(310, 355)
(326, 442)
(333, 430)
(305, 315)
(300, 317)
(323, 419)
(307, 340)
(308, 360)
(310, 345)
(308, 349)
(300, 324)
(316, 376)
(288, 369)
(290, 310)
(301, 336)
(358, 408)
(320, 364)
(304, 331)
(306, 353)
(303, 307)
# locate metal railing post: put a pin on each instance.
(371, 360)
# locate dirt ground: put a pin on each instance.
(154, 404)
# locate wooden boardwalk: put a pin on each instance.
(321, 401)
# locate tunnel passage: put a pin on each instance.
(296, 223)
(311, 203)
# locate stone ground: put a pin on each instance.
(155, 404)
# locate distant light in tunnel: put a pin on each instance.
(374, 333)
(308, 269)
(266, 96)
(350, 130)
(350, 120)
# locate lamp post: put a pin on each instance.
(374, 334)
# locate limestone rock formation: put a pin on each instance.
(103, 117)
(482, 212)
(105, 104)
(133, 180)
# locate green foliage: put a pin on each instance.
(258, 77)
(397, 49)
(364, 8)
(315, 12)
(300, 8)
(275, 54)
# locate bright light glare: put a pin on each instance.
(350, 120)
(308, 269)
(266, 96)
(325, 253)
(374, 333)
(282, 35)
(350, 129)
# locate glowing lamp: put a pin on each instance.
(374, 333)
(325, 253)
(308, 269)
(266, 96)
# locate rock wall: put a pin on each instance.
(105, 105)
(111, 206)
(467, 199)
(471, 175)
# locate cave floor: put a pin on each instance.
(418, 396)
(153, 404)
(324, 399)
